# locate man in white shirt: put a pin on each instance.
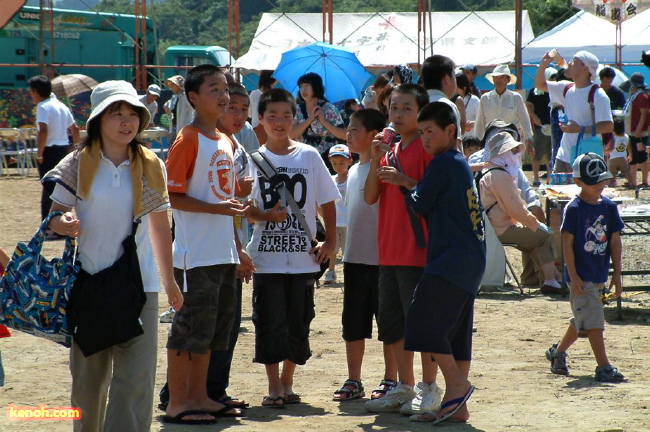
(150, 100)
(505, 105)
(53, 120)
(575, 98)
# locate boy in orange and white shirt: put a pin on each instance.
(206, 251)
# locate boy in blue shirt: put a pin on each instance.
(591, 233)
(439, 319)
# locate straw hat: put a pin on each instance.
(501, 70)
(176, 79)
(110, 92)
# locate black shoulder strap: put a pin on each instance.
(268, 171)
(478, 178)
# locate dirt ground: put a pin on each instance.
(514, 389)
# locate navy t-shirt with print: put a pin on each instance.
(592, 226)
(447, 198)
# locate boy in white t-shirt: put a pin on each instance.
(341, 160)
(286, 260)
(618, 162)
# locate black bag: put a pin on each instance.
(104, 308)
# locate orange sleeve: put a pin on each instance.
(181, 159)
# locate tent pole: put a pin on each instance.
(619, 46)
(430, 29)
(518, 41)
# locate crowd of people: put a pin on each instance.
(407, 206)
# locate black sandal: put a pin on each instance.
(355, 392)
(384, 386)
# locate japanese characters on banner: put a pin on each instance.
(615, 11)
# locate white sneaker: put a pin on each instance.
(393, 400)
(330, 277)
(167, 317)
(427, 400)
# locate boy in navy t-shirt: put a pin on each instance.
(591, 233)
(439, 319)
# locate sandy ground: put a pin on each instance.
(515, 390)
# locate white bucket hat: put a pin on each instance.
(110, 92)
(501, 70)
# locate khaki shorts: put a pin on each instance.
(587, 309)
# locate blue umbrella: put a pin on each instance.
(343, 75)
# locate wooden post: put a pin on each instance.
(518, 42)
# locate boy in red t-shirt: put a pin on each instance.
(402, 253)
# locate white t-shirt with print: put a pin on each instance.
(576, 107)
(284, 247)
(620, 147)
(202, 167)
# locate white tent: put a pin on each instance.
(585, 31)
(484, 38)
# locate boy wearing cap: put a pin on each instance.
(150, 100)
(637, 121)
(341, 160)
(575, 97)
(591, 233)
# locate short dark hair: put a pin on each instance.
(462, 82)
(316, 83)
(196, 77)
(266, 80)
(416, 90)
(619, 127)
(236, 89)
(607, 72)
(441, 113)
(276, 95)
(370, 119)
(434, 69)
(471, 141)
(41, 84)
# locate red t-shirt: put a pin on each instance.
(641, 103)
(397, 245)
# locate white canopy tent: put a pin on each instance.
(585, 31)
(380, 39)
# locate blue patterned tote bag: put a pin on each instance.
(34, 291)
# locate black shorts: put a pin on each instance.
(360, 300)
(283, 308)
(206, 318)
(638, 156)
(396, 286)
(440, 319)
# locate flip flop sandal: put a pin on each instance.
(384, 387)
(226, 411)
(271, 402)
(292, 398)
(346, 394)
(233, 402)
(178, 418)
(459, 402)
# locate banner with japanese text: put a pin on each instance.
(615, 11)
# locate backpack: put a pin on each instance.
(477, 180)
